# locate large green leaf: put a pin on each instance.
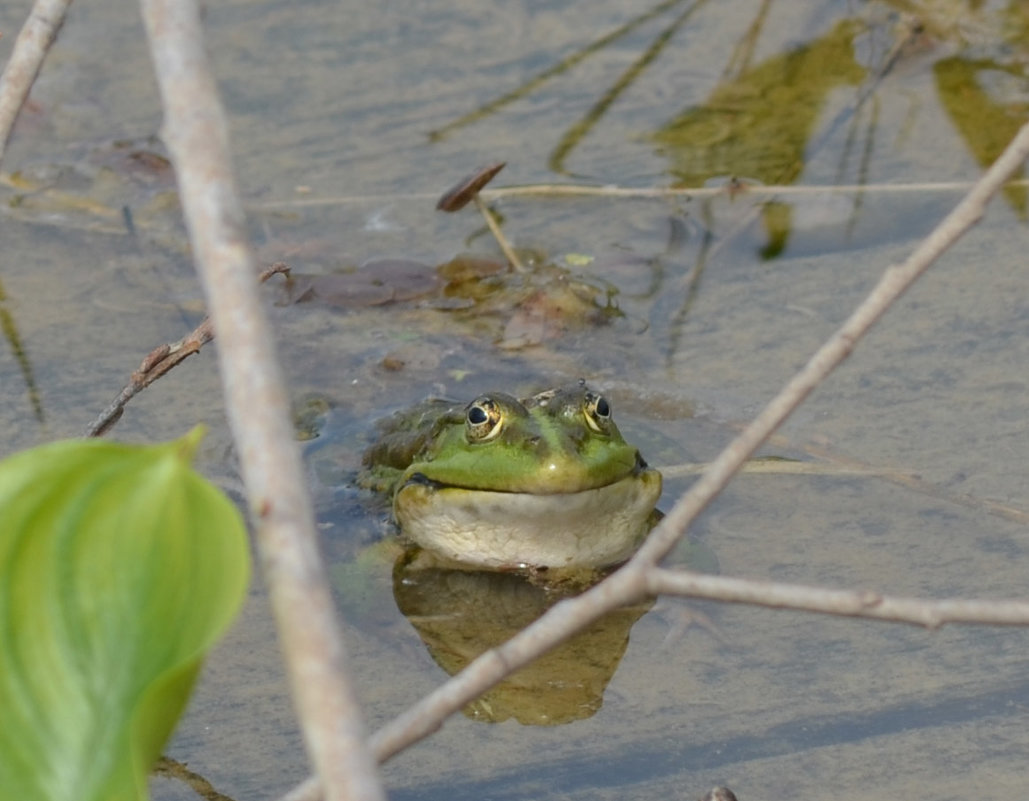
(119, 568)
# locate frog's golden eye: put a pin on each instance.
(483, 420)
(597, 412)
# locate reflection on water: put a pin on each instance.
(459, 614)
(9, 325)
(758, 123)
(987, 102)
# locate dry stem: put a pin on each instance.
(848, 603)
(611, 191)
(733, 189)
(498, 234)
(34, 39)
(195, 132)
(158, 362)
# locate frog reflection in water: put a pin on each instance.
(503, 483)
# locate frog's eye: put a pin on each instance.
(483, 420)
(597, 412)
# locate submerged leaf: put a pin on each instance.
(119, 568)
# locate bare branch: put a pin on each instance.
(158, 362)
(35, 38)
(848, 603)
(762, 191)
(256, 400)
(735, 188)
(155, 364)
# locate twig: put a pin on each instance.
(34, 39)
(612, 191)
(195, 132)
(846, 603)
(159, 361)
(155, 364)
(735, 189)
(498, 235)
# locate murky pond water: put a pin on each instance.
(349, 121)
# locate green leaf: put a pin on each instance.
(119, 568)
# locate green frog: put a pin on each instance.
(502, 483)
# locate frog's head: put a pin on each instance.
(545, 481)
(558, 441)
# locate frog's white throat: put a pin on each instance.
(590, 528)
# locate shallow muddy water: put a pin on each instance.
(349, 121)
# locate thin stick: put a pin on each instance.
(611, 191)
(195, 132)
(847, 603)
(30, 48)
(158, 362)
(155, 364)
(498, 235)
(735, 189)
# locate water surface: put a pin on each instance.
(348, 121)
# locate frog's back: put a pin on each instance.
(404, 438)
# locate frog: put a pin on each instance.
(502, 483)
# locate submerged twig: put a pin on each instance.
(196, 135)
(30, 48)
(159, 361)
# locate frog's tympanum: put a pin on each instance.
(505, 483)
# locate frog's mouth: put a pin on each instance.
(639, 468)
(592, 527)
